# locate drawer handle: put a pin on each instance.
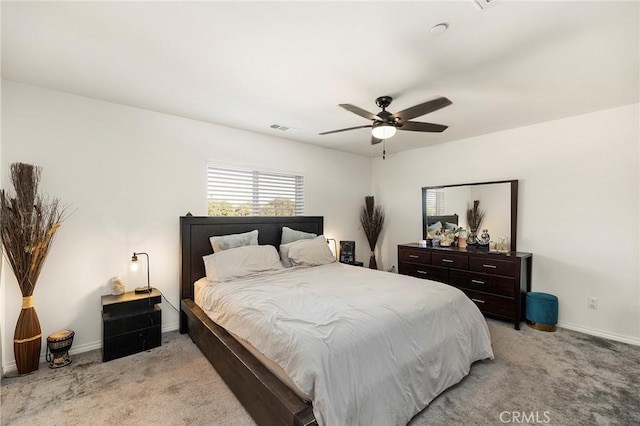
(478, 300)
(477, 282)
(447, 260)
(484, 265)
(422, 272)
(414, 256)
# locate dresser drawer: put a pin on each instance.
(425, 271)
(415, 255)
(450, 260)
(503, 286)
(492, 266)
(492, 304)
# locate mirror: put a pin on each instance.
(449, 203)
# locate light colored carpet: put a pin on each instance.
(562, 378)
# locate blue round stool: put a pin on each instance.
(542, 311)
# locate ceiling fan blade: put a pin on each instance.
(344, 130)
(374, 140)
(361, 112)
(422, 109)
(422, 127)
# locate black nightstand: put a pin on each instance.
(131, 323)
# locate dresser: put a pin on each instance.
(496, 282)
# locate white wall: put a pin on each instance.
(128, 174)
(578, 208)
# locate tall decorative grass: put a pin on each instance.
(474, 219)
(372, 220)
(28, 223)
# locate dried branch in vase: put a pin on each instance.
(475, 216)
(28, 223)
(372, 220)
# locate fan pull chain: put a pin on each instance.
(384, 151)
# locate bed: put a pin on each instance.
(432, 220)
(267, 398)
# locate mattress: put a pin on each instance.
(203, 285)
(273, 367)
(367, 347)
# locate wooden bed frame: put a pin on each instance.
(264, 396)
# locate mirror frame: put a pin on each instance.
(514, 205)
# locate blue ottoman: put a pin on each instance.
(542, 311)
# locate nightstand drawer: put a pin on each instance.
(492, 266)
(503, 286)
(415, 256)
(115, 325)
(131, 343)
(128, 302)
(450, 260)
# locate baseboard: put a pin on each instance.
(10, 366)
(599, 333)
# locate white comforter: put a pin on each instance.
(369, 347)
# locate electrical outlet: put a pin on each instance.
(592, 303)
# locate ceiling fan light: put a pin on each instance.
(383, 131)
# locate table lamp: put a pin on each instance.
(134, 267)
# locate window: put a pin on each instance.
(244, 192)
(435, 202)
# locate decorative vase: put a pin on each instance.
(372, 261)
(27, 339)
(462, 242)
(472, 240)
(29, 222)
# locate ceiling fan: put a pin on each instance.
(384, 123)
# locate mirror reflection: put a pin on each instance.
(450, 204)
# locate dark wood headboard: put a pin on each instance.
(196, 230)
(442, 219)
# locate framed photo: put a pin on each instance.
(347, 251)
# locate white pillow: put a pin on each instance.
(240, 262)
(449, 226)
(284, 252)
(226, 242)
(311, 252)
(433, 229)
(290, 235)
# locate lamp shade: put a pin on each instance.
(383, 131)
(135, 267)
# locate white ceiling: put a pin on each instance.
(249, 65)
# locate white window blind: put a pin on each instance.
(435, 202)
(243, 192)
